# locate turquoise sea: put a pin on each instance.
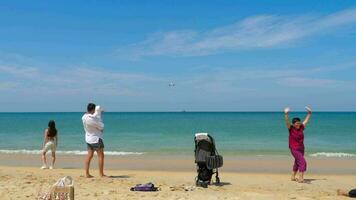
(236, 133)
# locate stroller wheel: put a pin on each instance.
(217, 180)
(196, 182)
(204, 184)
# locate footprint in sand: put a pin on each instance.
(112, 192)
(6, 177)
(182, 188)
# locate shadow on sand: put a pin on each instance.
(310, 180)
(221, 184)
(121, 176)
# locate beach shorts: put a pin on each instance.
(96, 146)
(50, 145)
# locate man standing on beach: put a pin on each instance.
(93, 127)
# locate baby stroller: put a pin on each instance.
(207, 159)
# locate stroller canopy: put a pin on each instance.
(202, 136)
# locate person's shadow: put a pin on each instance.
(310, 180)
(222, 184)
(121, 176)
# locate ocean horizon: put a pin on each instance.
(329, 134)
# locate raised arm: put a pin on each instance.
(286, 117)
(307, 118)
(95, 122)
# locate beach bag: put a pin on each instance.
(214, 162)
(352, 193)
(63, 189)
(148, 187)
(201, 155)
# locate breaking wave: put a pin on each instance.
(74, 152)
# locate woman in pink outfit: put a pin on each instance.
(296, 143)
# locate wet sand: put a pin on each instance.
(255, 164)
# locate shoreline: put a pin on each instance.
(338, 154)
(185, 163)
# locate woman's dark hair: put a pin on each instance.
(91, 107)
(52, 131)
(296, 119)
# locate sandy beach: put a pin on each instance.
(110, 95)
(18, 181)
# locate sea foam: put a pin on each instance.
(332, 154)
(74, 152)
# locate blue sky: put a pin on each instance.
(221, 55)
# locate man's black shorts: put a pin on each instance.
(96, 146)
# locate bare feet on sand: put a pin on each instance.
(301, 181)
(89, 176)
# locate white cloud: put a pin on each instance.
(74, 86)
(74, 81)
(257, 32)
(86, 80)
(19, 71)
(267, 81)
(7, 85)
(309, 82)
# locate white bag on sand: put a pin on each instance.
(65, 181)
(63, 189)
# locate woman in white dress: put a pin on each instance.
(50, 143)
